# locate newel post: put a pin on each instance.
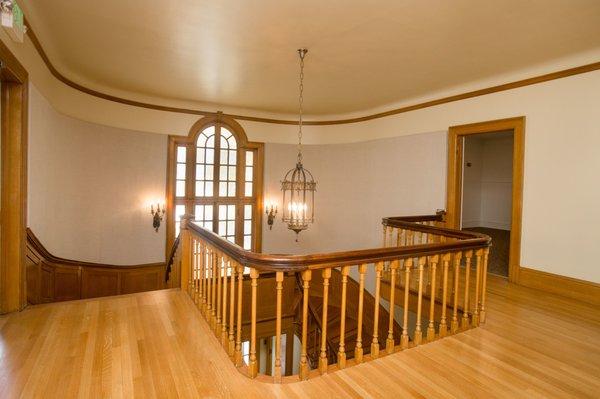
(186, 252)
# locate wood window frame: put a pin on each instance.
(190, 199)
(13, 218)
(456, 136)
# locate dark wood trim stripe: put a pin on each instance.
(476, 93)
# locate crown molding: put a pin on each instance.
(444, 100)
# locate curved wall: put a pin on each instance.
(562, 135)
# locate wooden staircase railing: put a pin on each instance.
(420, 262)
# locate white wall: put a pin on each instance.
(487, 187)
(90, 188)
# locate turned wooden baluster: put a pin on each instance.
(478, 256)
(200, 277)
(224, 306)
(418, 332)
(209, 296)
(238, 337)
(231, 348)
(326, 273)
(375, 342)
(279, 292)
(389, 343)
(385, 229)
(404, 339)
(358, 351)
(303, 373)
(390, 236)
(219, 270)
(206, 263)
(433, 261)
(215, 288)
(342, 349)
(253, 364)
(465, 318)
(454, 323)
(410, 237)
(443, 327)
(486, 253)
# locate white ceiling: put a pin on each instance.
(362, 54)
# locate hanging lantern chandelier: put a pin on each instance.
(298, 186)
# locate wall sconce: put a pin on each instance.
(271, 211)
(157, 216)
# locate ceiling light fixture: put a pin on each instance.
(298, 185)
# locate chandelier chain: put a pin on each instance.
(301, 53)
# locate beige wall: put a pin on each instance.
(357, 185)
(90, 187)
(561, 140)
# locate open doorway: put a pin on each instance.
(487, 192)
(485, 187)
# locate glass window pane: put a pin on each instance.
(199, 213)
(208, 225)
(222, 212)
(231, 227)
(177, 228)
(208, 189)
(249, 158)
(179, 212)
(224, 157)
(210, 156)
(231, 189)
(231, 212)
(249, 173)
(225, 132)
(231, 173)
(200, 155)
(210, 143)
(201, 142)
(247, 242)
(199, 189)
(208, 212)
(209, 172)
(248, 190)
(232, 157)
(247, 211)
(181, 154)
(223, 189)
(180, 171)
(247, 226)
(223, 173)
(231, 239)
(180, 188)
(199, 172)
(224, 142)
(222, 227)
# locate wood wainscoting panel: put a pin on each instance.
(585, 291)
(148, 279)
(67, 285)
(99, 282)
(54, 279)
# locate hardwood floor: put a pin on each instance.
(157, 345)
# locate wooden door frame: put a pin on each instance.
(456, 135)
(14, 110)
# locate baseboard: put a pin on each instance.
(585, 291)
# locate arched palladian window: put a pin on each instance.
(216, 175)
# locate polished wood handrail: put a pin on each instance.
(295, 263)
